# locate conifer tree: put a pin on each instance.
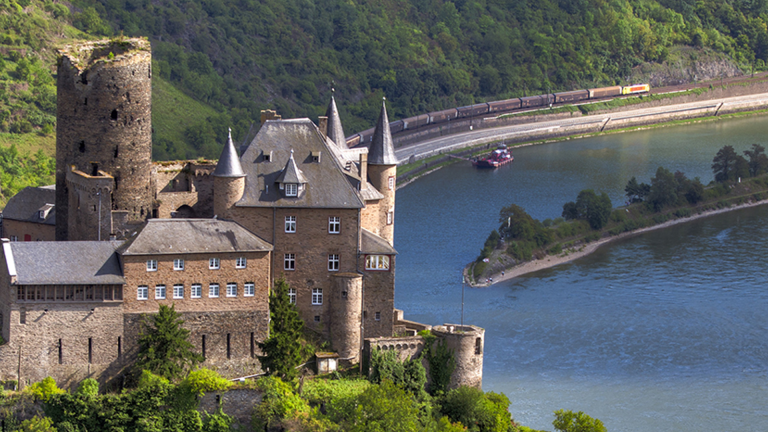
(282, 350)
(164, 348)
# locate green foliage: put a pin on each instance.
(441, 362)
(408, 374)
(44, 389)
(205, 380)
(37, 424)
(728, 165)
(636, 192)
(758, 161)
(18, 171)
(568, 421)
(382, 408)
(663, 189)
(478, 411)
(282, 350)
(163, 345)
(88, 387)
(278, 402)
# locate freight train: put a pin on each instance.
(498, 107)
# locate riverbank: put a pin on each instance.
(567, 256)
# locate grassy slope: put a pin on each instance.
(173, 110)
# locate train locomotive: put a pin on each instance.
(497, 107)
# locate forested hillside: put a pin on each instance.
(237, 57)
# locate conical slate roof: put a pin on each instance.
(335, 131)
(229, 163)
(291, 173)
(382, 150)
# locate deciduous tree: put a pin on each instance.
(758, 161)
(728, 165)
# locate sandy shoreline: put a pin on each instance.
(552, 261)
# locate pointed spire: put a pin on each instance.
(382, 150)
(291, 173)
(335, 131)
(229, 163)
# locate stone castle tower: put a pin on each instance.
(382, 170)
(104, 131)
(228, 180)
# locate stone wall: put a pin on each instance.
(36, 231)
(238, 403)
(184, 183)
(384, 225)
(90, 203)
(104, 115)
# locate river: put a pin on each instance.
(663, 331)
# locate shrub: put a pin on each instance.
(556, 249)
(568, 421)
(88, 387)
(278, 402)
(44, 389)
(204, 380)
(592, 237)
(683, 212)
(478, 411)
(408, 374)
(619, 215)
(37, 424)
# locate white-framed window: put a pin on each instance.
(214, 263)
(377, 317)
(159, 292)
(291, 189)
(142, 293)
(178, 291)
(377, 262)
(249, 289)
(14, 238)
(240, 263)
(390, 217)
(213, 290)
(292, 295)
(231, 289)
(290, 224)
(178, 264)
(196, 291)
(334, 225)
(289, 262)
(152, 265)
(333, 262)
(391, 182)
(317, 296)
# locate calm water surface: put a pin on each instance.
(664, 331)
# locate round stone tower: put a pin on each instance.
(228, 180)
(467, 343)
(346, 312)
(104, 120)
(382, 170)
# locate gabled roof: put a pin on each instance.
(65, 263)
(382, 150)
(291, 173)
(229, 163)
(25, 205)
(335, 132)
(327, 184)
(370, 243)
(182, 236)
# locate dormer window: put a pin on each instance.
(267, 156)
(291, 189)
(315, 156)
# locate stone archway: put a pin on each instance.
(184, 212)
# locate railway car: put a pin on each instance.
(604, 92)
(354, 140)
(636, 88)
(366, 136)
(537, 101)
(442, 116)
(571, 96)
(395, 127)
(472, 110)
(503, 105)
(415, 122)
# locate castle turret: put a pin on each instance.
(382, 170)
(467, 344)
(334, 130)
(228, 180)
(104, 92)
(346, 313)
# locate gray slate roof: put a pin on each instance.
(24, 205)
(181, 236)
(229, 163)
(66, 263)
(291, 173)
(382, 150)
(335, 132)
(327, 184)
(370, 243)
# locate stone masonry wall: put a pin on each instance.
(380, 179)
(379, 296)
(36, 231)
(104, 115)
(90, 201)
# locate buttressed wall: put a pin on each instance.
(104, 120)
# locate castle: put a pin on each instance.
(210, 239)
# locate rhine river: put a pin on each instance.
(663, 331)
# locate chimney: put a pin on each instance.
(363, 171)
(322, 124)
(269, 115)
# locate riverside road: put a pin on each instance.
(579, 125)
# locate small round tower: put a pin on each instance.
(103, 117)
(346, 313)
(382, 170)
(228, 180)
(467, 344)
